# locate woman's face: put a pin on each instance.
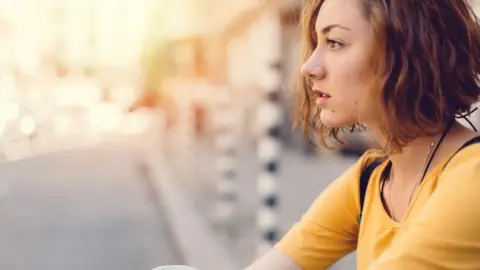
(338, 68)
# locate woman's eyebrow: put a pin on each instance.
(328, 28)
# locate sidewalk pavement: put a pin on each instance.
(196, 243)
(190, 179)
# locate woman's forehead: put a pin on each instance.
(346, 13)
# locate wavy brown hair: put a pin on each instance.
(427, 72)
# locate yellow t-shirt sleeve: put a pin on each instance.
(328, 230)
(446, 234)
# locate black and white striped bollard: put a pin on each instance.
(269, 149)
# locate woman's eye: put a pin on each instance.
(333, 44)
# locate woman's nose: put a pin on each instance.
(313, 68)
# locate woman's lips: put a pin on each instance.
(322, 97)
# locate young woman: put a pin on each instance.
(404, 70)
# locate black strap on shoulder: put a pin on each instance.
(364, 179)
(468, 143)
(367, 172)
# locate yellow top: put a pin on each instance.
(440, 230)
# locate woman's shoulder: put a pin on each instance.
(468, 155)
(370, 156)
(352, 175)
(463, 165)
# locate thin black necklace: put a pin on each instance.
(430, 159)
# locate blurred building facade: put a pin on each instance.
(94, 39)
(234, 45)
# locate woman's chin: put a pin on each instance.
(333, 119)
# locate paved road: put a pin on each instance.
(85, 209)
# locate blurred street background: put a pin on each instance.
(92, 89)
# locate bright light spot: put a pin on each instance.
(136, 123)
(8, 111)
(7, 86)
(77, 93)
(28, 125)
(27, 62)
(105, 117)
(124, 95)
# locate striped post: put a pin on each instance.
(225, 145)
(268, 151)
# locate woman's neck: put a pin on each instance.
(409, 164)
